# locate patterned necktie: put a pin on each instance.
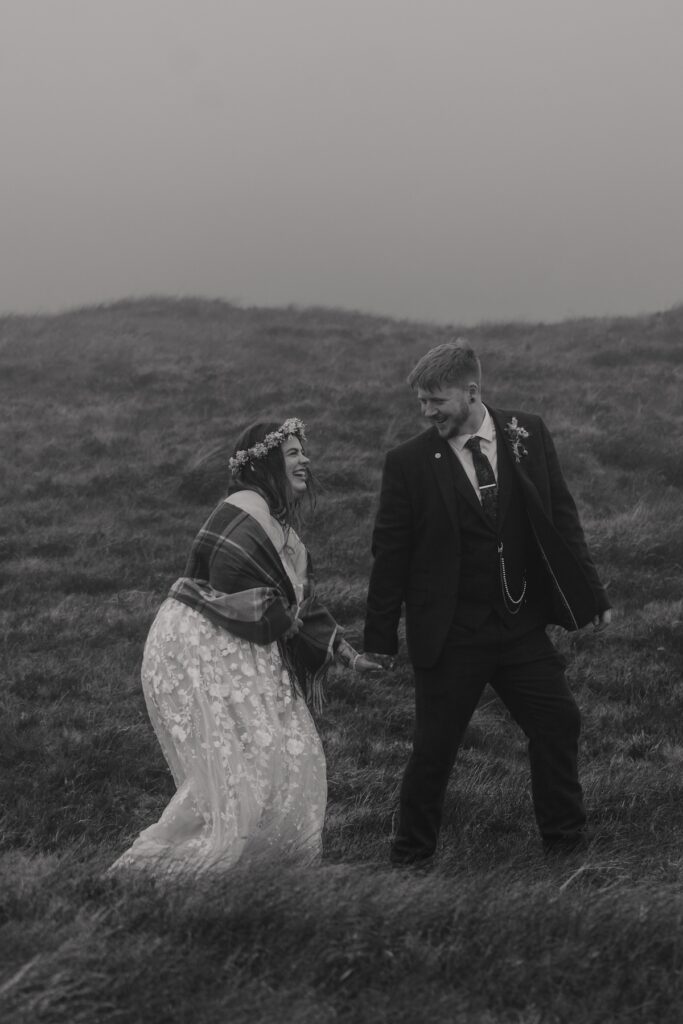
(488, 489)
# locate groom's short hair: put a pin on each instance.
(453, 362)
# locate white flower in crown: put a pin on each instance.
(516, 435)
(277, 437)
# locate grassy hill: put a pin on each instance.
(105, 411)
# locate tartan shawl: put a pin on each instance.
(235, 577)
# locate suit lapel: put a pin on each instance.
(448, 472)
(505, 468)
(510, 468)
(435, 451)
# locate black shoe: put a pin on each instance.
(565, 846)
(414, 863)
(414, 867)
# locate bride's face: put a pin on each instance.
(295, 465)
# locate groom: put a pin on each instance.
(478, 535)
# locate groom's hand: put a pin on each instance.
(602, 620)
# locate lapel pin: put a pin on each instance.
(437, 455)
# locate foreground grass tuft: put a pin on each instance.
(360, 944)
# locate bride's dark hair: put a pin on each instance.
(267, 475)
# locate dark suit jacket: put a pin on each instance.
(416, 539)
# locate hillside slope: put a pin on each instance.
(105, 411)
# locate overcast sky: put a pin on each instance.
(447, 160)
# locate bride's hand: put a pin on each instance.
(357, 662)
(363, 663)
(293, 629)
(383, 661)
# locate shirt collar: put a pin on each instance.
(486, 432)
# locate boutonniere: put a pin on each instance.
(516, 435)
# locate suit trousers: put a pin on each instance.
(527, 673)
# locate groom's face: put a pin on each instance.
(448, 408)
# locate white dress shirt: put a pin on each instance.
(487, 436)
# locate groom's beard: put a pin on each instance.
(452, 425)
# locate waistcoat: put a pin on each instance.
(480, 587)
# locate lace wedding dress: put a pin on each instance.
(243, 749)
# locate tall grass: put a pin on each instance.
(105, 411)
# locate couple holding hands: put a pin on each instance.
(476, 535)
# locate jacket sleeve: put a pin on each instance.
(566, 518)
(391, 550)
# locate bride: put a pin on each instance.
(236, 650)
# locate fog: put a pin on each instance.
(448, 160)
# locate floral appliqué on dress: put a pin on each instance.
(244, 752)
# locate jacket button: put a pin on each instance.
(437, 455)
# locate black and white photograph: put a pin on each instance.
(341, 531)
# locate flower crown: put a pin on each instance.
(273, 440)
